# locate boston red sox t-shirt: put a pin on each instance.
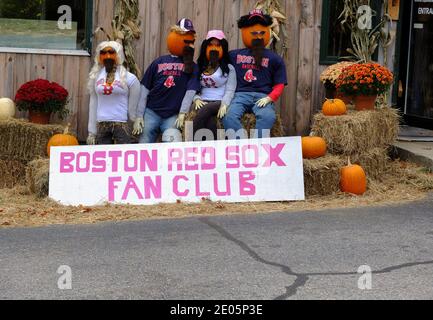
(167, 85)
(258, 79)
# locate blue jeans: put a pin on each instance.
(244, 102)
(154, 125)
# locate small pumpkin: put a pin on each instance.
(313, 147)
(248, 34)
(334, 107)
(353, 179)
(62, 140)
(7, 108)
(176, 42)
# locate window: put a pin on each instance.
(46, 24)
(334, 40)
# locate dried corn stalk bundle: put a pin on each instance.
(365, 41)
(125, 29)
(279, 36)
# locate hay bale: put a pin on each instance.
(322, 176)
(248, 122)
(358, 131)
(375, 162)
(37, 177)
(12, 173)
(24, 141)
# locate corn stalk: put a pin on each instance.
(366, 41)
(125, 29)
(279, 34)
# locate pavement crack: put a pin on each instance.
(301, 278)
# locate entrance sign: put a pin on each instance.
(227, 171)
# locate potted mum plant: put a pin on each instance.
(365, 81)
(329, 79)
(41, 98)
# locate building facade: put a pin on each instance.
(37, 42)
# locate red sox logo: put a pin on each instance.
(249, 76)
(108, 89)
(170, 82)
(209, 82)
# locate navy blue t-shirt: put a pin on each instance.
(254, 79)
(167, 85)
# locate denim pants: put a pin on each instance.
(246, 102)
(154, 125)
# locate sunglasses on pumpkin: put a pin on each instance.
(105, 52)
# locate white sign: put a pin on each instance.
(227, 171)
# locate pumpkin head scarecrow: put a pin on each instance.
(261, 76)
(114, 96)
(168, 88)
(218, 83)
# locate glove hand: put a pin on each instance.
(138, 127)
(264, 102)
(223, 111)
(198, 104)
(180, 122)
(91, 140)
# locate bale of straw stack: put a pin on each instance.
(375, 162)
(24, 141)
(357, 132)
(37, 177)
(322, 175)
(12, 173)
(248, 122)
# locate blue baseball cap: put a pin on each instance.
(186, 25)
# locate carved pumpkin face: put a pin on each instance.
(256, 31)
(108, 53)
(176, 42)
(215, 45)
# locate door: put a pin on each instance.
(416, 73)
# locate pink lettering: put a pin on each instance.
(191, 159)
(198, 191)
(274, 155)
(131, 185)
(232, 157)
(218, 192)
(112, 187)
(175, 157)
(247, 188)
(83, 157)
(176, 190)
(149, 162)
(208, 159)
(250, 160)
(151, 187)
(66, 159)
(99, 164)
(115, 155)
(131, 156)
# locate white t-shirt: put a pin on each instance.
(113, 99)
(213, 86)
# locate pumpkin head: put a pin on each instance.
(353, 179)
(249, 34)
(313, 147)
(62, 140)
(7, 108)
(181, 35)
(108, 53)
(255, 25)
(334, 107)
(215, 45)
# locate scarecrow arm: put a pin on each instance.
(142, 104)
(230, 87)
(187, 101)
(134, 98)
(277, 92)
(93, 114)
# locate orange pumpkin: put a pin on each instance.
(176, 42)
(108, 53)
(353, 179)
(334, 107)
(255, 32)
(62, 140)
(313, 147)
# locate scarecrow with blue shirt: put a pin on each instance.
(168, 88)
(261, 76)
